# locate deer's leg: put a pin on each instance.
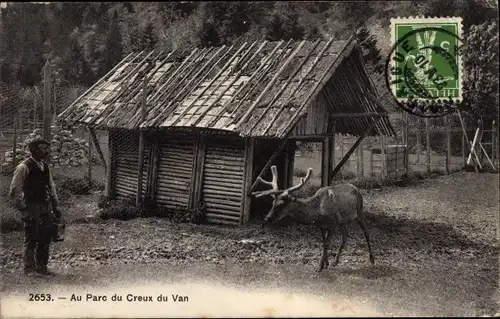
(326, 246)
(362, 224)
(323, 256)
(343, 239)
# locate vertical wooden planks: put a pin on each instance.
(175, 169)
(223, 177)
(126, 161)
(248, 178)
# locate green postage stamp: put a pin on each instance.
(425, 61)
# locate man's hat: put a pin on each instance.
(37, 141)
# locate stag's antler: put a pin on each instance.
(273, 184)
(302, 182)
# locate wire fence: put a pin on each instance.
(21, 119)
(430, 144)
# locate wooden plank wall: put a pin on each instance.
(174, 182)
(317, 119)
(126, 160)
(223, 179)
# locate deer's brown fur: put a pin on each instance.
(336, 205)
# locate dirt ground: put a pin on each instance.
(435, 246)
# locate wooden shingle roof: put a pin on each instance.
(254, 89)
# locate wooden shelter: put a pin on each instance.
(186, 127)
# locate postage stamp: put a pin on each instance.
(425, 60)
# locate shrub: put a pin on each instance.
(77, 186)
(118, 209)
(10, 218)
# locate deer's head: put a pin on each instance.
(281, 198)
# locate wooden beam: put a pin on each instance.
(289, 162)
(351, 150)
(247, 182)
(469, 145)
(89, 156)
(155, 166)
(142, 139)
(47, 114)
(353, 115)
(448, 144)
(326, 161)
(98, 148)
(268, 164)
(196, 177)
(109, 173)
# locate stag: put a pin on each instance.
(330, 206)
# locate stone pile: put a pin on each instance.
(66, 150)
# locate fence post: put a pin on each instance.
(428, 145)
(419, 139)
(89, 156)
(382, 154)
(493, 142)
(14, 146)
(405, 142)
(464, 158)
(448, 143)
(46, 101)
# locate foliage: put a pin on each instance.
(481, 66)
(124, 209)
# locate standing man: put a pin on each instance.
(34, 193)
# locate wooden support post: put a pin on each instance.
(493, 142)
(142, 137)
(196, 179)
(333, 149)
(289, 162)
(473, 147)
(155, 166)
(14, 144)
(248, 177)
(35, 120)
(269, 163)
(448, 143)
(47, 73)
(372, 173)
(419, 139)
(89, 156)
(362, 159)
(383, 154)
(464, 158)
(326, 161)
(348, 154)
(469, 145)
(110, 170)
(427, 146)
(97, 146)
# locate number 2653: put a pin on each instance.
(40, 297)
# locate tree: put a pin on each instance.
(480, 62)
(371, 54)
(148, 39)
(283, 23)
(114, 51)
(76, 70)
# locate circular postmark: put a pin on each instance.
(423, 68)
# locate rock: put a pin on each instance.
(66, 150)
